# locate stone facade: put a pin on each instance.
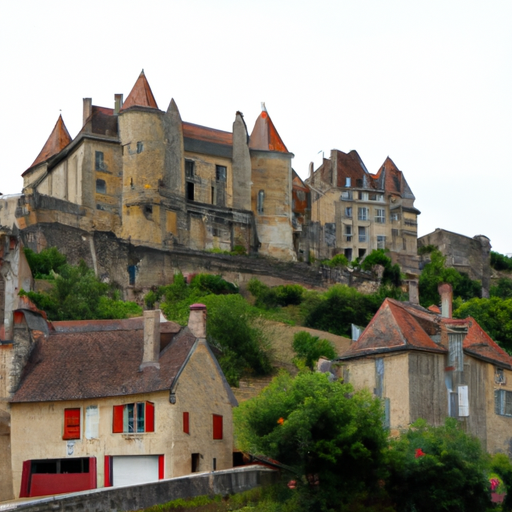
(354, 212)
(469, 255)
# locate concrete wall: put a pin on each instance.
(116, 499)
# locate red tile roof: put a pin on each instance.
(76, 363)
(264, 135)
(141, 94)
(198, 132)
(397, 326)
(57, 141)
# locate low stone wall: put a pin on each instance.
(136, 497)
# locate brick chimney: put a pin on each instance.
(151, 339)
(87, 109)
(446, 292)
(197, 320)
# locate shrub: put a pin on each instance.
(46, 263)
(311, 348)
(500, 262)
(340, 260)
(502, 289)
(282, 295)
(215, 284)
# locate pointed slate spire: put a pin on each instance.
(57, 141)
(140, 95)
(264, 135)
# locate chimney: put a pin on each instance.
(87, 109)
(118, 103)
(414, 295)
(446, 292)
(197, 320)
(311, 170)
(151, 339)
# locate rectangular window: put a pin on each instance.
(189, 168)
(71, 424)
(503, 402)
(346, 195)
(101, 187)
(381, 242)
(395, 217)
(348, 182)
(380, 215)
(92, 422)
(132, 418)
(363, 196)
(186, 423)
(217, 426)
(348, 233)
(362, 213)
(261, 201)
(362, 233)
(140, 147)
(190, 191)
(98, 161)
(220, 172)
(348, 212)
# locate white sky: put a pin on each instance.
(427, 82)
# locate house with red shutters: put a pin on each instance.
(114, 402)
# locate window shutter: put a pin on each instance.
(150, 417)
(71, 424)
(186, 423)
(463, 401)
(117, 425)
(217, 426)
(497, 401)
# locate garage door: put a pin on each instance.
(131, 470)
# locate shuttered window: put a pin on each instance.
(217, 426)
(132, 418)
(71, 424)
(186, 423)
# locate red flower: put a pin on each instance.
(494, 484)
(280, 421)
(419, 453)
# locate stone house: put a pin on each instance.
(354, 212)
(160, 182)
(425, 364)
(113, 402)
(469, 255)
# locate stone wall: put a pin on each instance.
(137, 497)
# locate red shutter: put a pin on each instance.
(118, 424)
(71, 424)
(217, 426)
(92, 473)
(150, 417)
(186, 424)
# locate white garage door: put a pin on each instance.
(134, 470)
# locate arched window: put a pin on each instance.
(261, 199)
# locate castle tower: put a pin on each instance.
(271, 194)
(141, 132)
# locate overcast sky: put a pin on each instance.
(427, 83)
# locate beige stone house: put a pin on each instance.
(354, 212)
(114, 402)
(424, 364)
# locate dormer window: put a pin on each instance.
(348, 182)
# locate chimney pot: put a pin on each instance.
(197, 320)
(151, 339)
(446, 292)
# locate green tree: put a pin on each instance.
(436, 272)
(45, 263)
(331, 436)
(500, 262)
(77, 294)
(502, 289)
(438, 469)
(311, 348)
(494, 315)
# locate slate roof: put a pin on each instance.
(397, 326)
(57, 141)
(141, 94)
(264, 135)
(75, 363)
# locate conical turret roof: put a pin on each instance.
(141, 94)
(264, 135)
(57, 141)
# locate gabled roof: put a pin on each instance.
(75, 363)
(350, 165)
(397, 326)
(264, 135)
(141, 94)
(57, 141)
(480, 345)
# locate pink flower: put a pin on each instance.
(494, 484)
